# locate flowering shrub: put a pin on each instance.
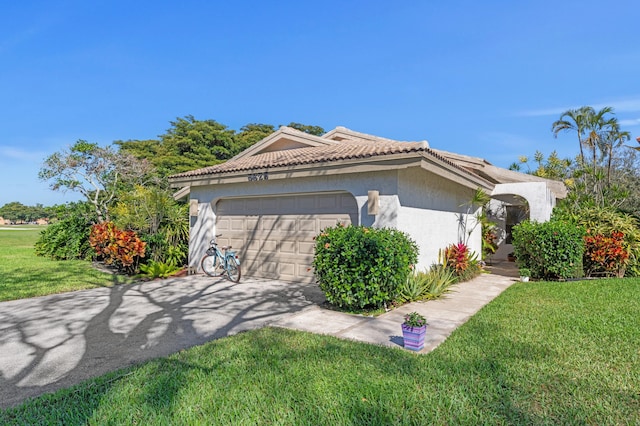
(414, 319)
(116, 247)
(359, 267)
(605, 254)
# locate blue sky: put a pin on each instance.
(479, 78)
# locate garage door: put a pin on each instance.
(274, 235)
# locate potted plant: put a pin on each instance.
(525, 273)
(414, 328)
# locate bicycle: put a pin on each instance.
(216, 264)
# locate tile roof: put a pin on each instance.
(339, 144)
(348, 149)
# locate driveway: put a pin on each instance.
(53, 342)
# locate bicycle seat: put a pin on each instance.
(225, 247)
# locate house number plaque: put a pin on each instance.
(254, 177)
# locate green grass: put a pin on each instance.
(23, 274)
(541, 353)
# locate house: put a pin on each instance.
(269, 201)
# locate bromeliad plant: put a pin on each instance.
(457, 257)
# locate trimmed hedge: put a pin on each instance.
(359, 267)
(550, 250)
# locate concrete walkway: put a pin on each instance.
(443, 315)
(52, 342)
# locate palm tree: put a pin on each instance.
(615, 139)
(574, 119)
(599, 128)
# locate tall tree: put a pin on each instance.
(312, 130)
(574, 120)
(192, 144)
(613, 140)
(599, 126)
(252, 133)
(95, 172)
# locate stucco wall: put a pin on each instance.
(413, 200)
(541, 200)
(432, 210)
(202, 226)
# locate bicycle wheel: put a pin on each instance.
(233, 270)
(212, 266)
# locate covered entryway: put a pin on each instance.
(274, 234)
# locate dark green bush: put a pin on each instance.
(550, 250)
(359, 267)
(68, 238)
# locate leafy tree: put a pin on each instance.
(14, 211)
(191, 144)
(96, 173)
(18, 212)
(551, 167)
(312, 130)
(625, 173)
(252, 133)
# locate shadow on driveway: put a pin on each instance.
(53, 342)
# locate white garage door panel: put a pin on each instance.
(274, 235)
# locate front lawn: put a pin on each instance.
(541, 353)
(23, 274)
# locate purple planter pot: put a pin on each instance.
(414, 337)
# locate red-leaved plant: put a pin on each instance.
(116, 247)
(457, 257)
(605, 254)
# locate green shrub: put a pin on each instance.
(606, 221)
(158, 219)
(427, 285)
(359, 267)
(155, 269)
(414, 287)
(68, 238)
(440, 280)
(550, 250)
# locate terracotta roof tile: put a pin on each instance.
(351, 149)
